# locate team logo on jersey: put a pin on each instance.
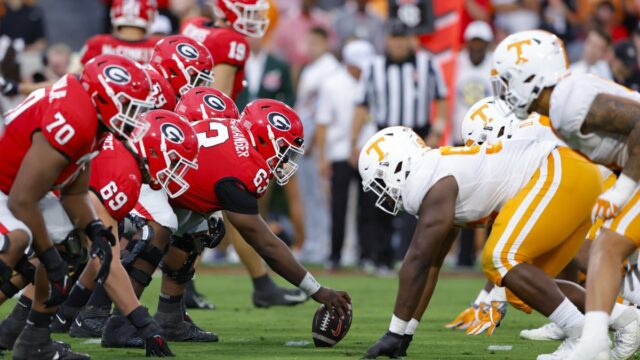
(187, 51)
(279, 121)
(215, 102)
(172, 133)
(117, 74)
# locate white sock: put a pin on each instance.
(596, 326)
(397, 325)
(482, 296)
(412, 326)
(497, 294)
(567, 316)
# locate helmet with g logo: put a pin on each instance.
(204, 103)
(120, 90)
(169, 150)
(163, 95)
(248, 17)
(275, 130)
(184, 62)
(136, 13)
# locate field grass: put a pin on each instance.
(249, 333)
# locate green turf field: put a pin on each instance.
(248, 333)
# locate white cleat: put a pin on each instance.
(591, 350)
(547, 332)
(626, 339)
(566, 347)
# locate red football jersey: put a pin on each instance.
(139, 51)
(226, 46)
(65, 115)
(224, 153)
(116, 178)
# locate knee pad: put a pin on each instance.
(26, 269)
(140, 249)
(5, 272)
(193, 248)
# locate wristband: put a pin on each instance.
(625, 185)
(92, 227)
(309, 284)
(397, 325)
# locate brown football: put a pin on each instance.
(328, 328)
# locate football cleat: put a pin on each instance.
(36, 344)
(195, 300)
(565, 348)
(90, 322)
(61, 322)
(175, 328)
(626, 339)
(546, 332)
(10, 329)
(120, 333)
(278, 296)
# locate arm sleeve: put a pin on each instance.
(234, 196)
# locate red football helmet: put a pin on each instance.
(169, 150)
(120, 90)
(204, 103)
(184, 62)
(275, 130)
(137, 13)
(161, 91)
(248, 17)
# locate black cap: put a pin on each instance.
(626, 52)
(395, 27)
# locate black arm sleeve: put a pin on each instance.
(234, 196)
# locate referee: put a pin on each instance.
(397, 88)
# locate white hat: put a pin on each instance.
(161, 25)
(478, 30)
(357, 53)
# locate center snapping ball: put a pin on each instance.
(328, 328)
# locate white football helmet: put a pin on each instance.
(385, 163)
(486, 122)
(524, 64)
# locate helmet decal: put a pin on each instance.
(172, 133)
(117, 74)
(214, 102)
(187, 51)
(518, 47)
(375, 146)
(480, 114)
(279, 121)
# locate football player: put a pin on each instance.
(130, 20)
(49, 141)
(599, 119)
(522, 185)
(267, 130)
(167, 150)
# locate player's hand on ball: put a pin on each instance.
(156, 346)
(390, 345)
(333, 300)
(490, 318)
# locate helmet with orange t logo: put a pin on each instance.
(386, 161)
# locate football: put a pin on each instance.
(328, 328)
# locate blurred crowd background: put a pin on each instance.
(317, 57)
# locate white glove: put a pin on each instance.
(611, 201)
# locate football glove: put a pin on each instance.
(611, 201)
(59, 281)
(490, 318)
(465, 319)
(102, 240)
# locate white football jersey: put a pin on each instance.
(571, 100)
(487, 176)
(536, 126)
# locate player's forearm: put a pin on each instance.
(27, 211)
(79, 209)
(412, 282)
(359, 118)
(632, 167)
(279, 258)
(321, 135)
(224, 77)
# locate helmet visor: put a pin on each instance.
(286, 162)
(172, 177)
(127, 123)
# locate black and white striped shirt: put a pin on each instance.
(402, 93)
